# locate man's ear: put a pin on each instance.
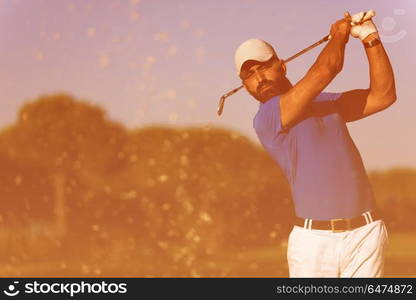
(243, 84)
(283, 66)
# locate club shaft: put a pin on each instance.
(326, 38)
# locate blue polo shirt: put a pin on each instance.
(320, 161)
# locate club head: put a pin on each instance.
(222, 99)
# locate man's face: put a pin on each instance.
(261, 79)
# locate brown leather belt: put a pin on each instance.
(337, 225)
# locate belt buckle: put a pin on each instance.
(334, 221)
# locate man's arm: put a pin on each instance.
(328, 64)
(357, 104)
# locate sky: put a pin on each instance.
(167, 62)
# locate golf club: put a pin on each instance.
(364, 18)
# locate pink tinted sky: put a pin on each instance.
(167, 62)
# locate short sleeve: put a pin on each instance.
(267, 122)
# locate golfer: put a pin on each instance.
(337, 232)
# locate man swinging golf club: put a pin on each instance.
(337, 232)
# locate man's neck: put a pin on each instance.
(284, 87)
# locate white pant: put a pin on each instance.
(323, 253)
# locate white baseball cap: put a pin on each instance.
(253, 49)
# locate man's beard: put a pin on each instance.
(265, 90)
